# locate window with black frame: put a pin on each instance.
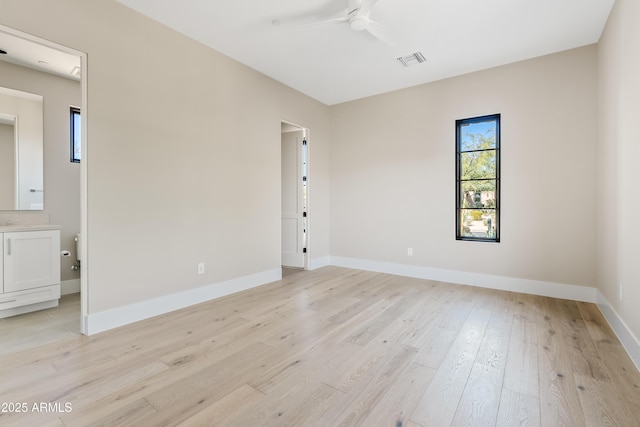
(478, 178)
(75, 134)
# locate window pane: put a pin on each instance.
(478, 223)
(478, 136)
(75, 133)
(76, 136)
(478, 164)
(477, 178)
(478, 194)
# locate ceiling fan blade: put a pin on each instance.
(366, 6)
(378, 31)
(319, 24)
(313, 20)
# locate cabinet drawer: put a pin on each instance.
(31, 296)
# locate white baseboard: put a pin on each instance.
(315, 263)
(527, 286)
(121, 316)
(69, 286)
(629, 341)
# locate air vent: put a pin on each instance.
(411, 59)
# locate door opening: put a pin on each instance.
(294, 196)
(75, 222)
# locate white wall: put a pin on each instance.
(618, 154)
(393, 172)
(171, 181)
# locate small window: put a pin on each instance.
(75, 135)
(478, 178)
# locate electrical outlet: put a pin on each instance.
(201, 268)
(410, 251)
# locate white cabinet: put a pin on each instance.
(30, 270)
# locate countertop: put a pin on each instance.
(24, 227)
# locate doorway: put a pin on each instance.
(74, 301)
(294, 196)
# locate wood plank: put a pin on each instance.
(348, 371)
(360, 401)
(313, 409)
(620, 367)
(134, 413)
(481, 397)
(225, 410)
(495, 343)
(440, 401)
(584, 357)
(559, 403)
(437, 345)
(401, 398)
(518, 409)
(525, 318)
(598, 409)
(521, 371)
(373, 327)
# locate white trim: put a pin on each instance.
(124, 315)
(315, 263)
(69, 286)
(84, 195)
(527, 286)
(629, 341)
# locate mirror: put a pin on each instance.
(21, 151)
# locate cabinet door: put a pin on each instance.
(31, 259)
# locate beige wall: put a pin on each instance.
(618, 153)
(171, 181)
(61, 177)
(393, 171)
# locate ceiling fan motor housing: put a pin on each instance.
(359, 22)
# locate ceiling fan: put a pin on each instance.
(356, 15)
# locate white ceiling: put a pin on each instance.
(334, 64)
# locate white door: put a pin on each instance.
(293, 230)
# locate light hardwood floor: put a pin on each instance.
(337, 347)
(40, 327)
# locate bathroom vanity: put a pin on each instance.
(29, 268)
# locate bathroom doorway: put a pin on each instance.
(65, 185)
(295, 216)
